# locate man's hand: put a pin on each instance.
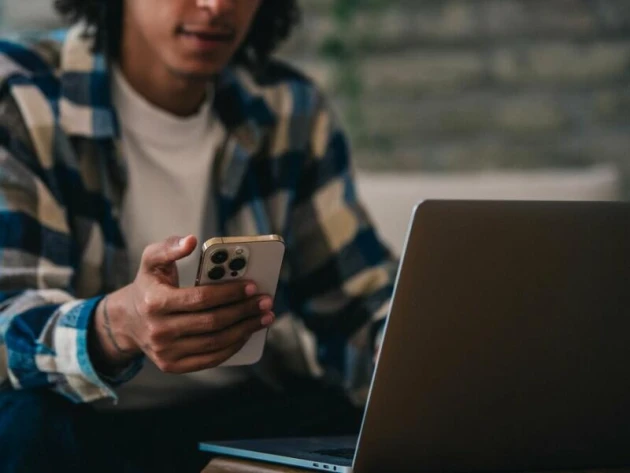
(181, 330)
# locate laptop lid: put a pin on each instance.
(508, 343)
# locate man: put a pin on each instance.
(149, 119)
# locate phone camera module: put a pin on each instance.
(217, 273)
(220, 257)
(238, 264)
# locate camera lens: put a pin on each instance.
(238, 264)
(216, 273)
(220, 257)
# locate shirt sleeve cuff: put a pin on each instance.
(89, 385)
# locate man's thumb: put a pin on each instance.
(168, 251)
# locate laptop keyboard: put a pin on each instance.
(337, 452)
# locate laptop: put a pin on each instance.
(507, 347)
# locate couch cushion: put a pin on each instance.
(390, 197)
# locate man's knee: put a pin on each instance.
(39, 426)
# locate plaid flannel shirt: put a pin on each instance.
(284, 169)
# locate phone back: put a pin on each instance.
(257, 259)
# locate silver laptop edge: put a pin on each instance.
(395, 291)
(316, 462)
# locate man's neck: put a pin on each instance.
(163, 88)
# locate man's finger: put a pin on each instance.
(167, 252)
(217, 342)
(216, 320)
(202, 362)
(182, 301)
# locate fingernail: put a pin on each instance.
(251, 290)
(267, 320)
(182, 241)
(265, 304)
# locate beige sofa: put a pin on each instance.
(391, 197)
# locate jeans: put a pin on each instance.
(41, 431)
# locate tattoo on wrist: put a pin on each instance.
(110, 333)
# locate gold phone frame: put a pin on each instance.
(242, 240)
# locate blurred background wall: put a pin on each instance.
(26, 14)
(452, 85)
(464, 98)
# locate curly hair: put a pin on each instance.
(273, 24)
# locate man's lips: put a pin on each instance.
(207, 35)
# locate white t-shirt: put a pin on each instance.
(169, 161)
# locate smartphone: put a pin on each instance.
(257, 259)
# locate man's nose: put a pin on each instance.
(216, 6)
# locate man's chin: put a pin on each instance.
(196, 75)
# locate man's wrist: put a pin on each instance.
(112, 350)
(115, 340)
